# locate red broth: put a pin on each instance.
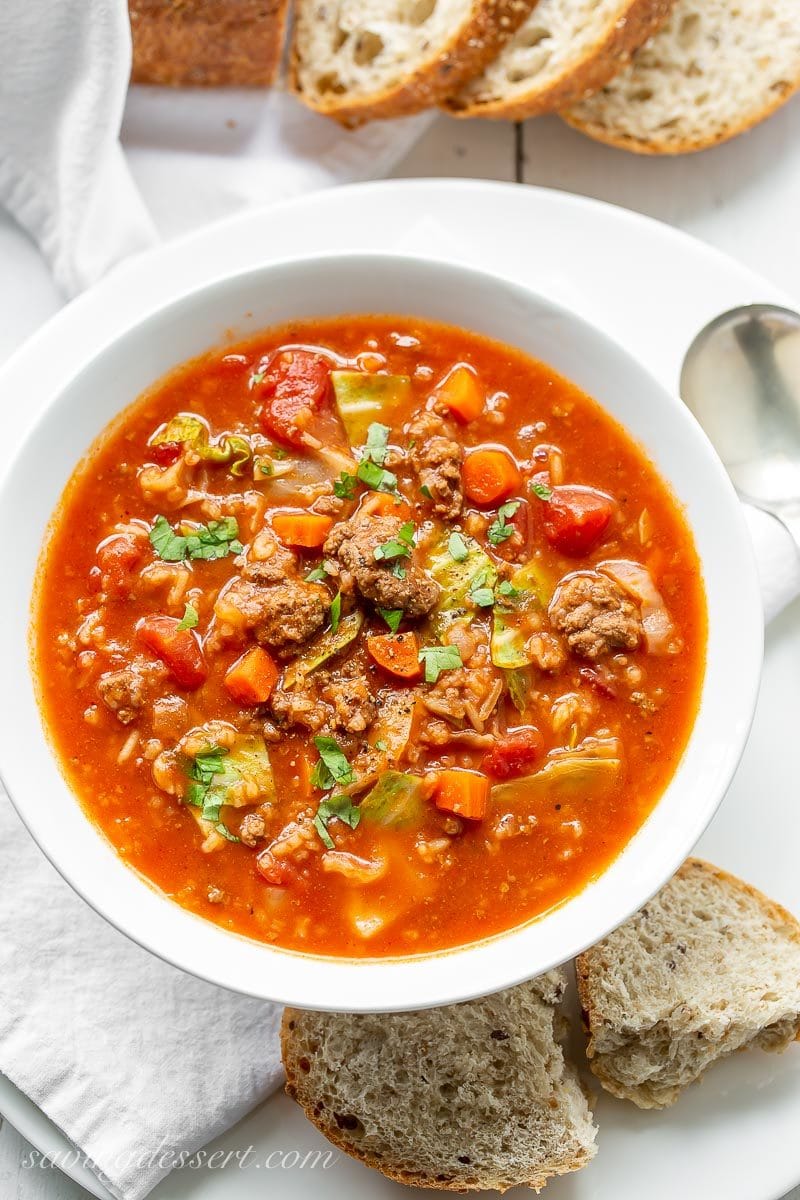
(413, 791)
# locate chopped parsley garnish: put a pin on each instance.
(318, 575)
(345, 486)
(426, 491)
(381, 746)
(438, 659)
(392, 617)
(264, 467)
(336, 611)
(542, 491)
(459, 550)
(508, 591)
(376, 446)
(343, 809)
(257, 378)
(332, 767)
(205, 767)
(399, 547)
(279, 453)
(217, 539)
(480, 591)
(499, 530)
(190, 617)
(376, 477)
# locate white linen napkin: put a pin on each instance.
(197, 155)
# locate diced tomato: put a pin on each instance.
(178, 649)
(575, 518)
(276, 871)
(165, 453)
(514, 753)
(117, 558)
(295, 386)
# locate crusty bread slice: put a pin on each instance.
(563, 50)
(360, 59)
(709, 966)
(469, 1097)
(716, 68)
(207, 43)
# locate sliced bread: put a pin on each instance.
(207, 43)
(360, 59)
(469, 1097)
(709, 966)
(564, 49)
(713, 70)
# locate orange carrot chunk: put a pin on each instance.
(489, 475)
(382, 504)
(396, 653)
(252, 677)
(461, 392)
(307, 530)
(463, 793)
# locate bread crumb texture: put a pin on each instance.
(563, 49)
(714, 69)
(709, 966)
(470, 1096)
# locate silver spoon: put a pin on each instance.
(741, 379)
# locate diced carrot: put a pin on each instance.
(489, 475)
(383, 504)
(178, 649)
(396, 653)
(463, 793)
(252, 677)
(461, 392)
(307, 530)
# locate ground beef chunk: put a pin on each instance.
(354, 543)
(354, 708)
(437, 460)
(281, 615)
(328, 702)
(123, 693)
(595, 616)
(252, 828)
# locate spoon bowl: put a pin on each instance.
(741, 379)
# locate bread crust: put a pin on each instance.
(601, 63)
(207, 43)
(774, 912)
(331, 1131)
(471, 48)
(599, 133)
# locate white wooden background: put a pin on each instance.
(743, 198)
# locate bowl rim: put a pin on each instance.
(315, 979)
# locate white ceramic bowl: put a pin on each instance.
(237, 307)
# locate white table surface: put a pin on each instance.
(743, 198)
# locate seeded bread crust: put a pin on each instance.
(462, 52)
(708, 967)
(464, 1098)
(714, 70)
(207, 43)
(574, 67)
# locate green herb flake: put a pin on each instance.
(376, 446)
(381, 746)
(279, 453)
(345, 486)
(399, 547)
(507, 590)
(332, 767)
(499, 529)
(317, 575)
(190, 617)
(392, 617)
(340, 807)
(480, 590)
(458, 548)
(336, 612)
(376, 477)
(256, 378)
(218, 539)
(264, 467)
(438, 659)
(542, 491)
(426, 491)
